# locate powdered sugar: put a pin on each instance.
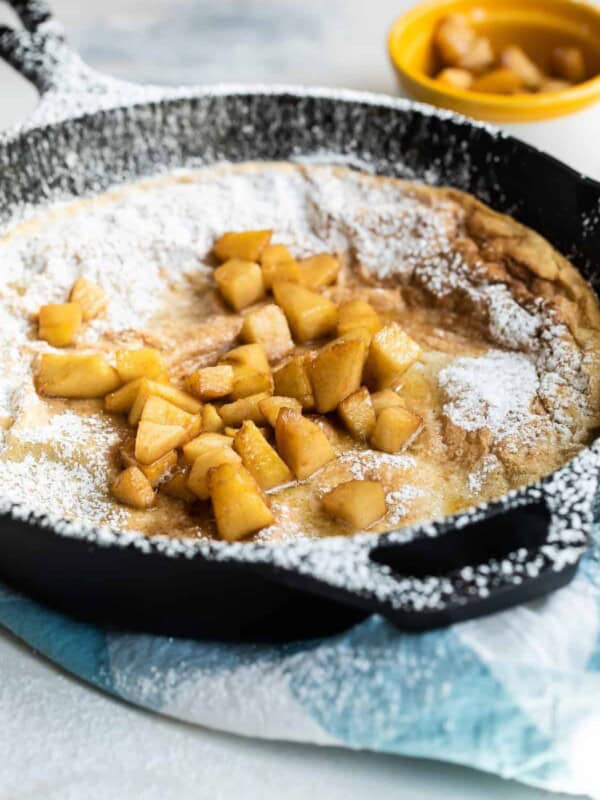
(494, 391)
(398, 502)
(365, 464)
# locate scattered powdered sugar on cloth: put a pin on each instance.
(494, 391)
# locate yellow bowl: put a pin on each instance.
(536, 25)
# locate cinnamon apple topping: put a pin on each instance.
(255, 420)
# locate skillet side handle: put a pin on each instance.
(39, 51)
(491, 563)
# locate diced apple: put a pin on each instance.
(206, 441)
(158, 470)
(239, 505)
(259, 458)
(386, 398)
(455, 78)
(143, 363)
(336, 372)
(498, 81)
(240, 283)
(414, 388)
(248, 355)
(158, 410)
(207, 460)
(302, 444)
(364, 334)
(59, 323)
(89, 296)
(268, 327)
(319, 271)
(271, 406)
(76, 376)
(133, 488)
(278, 264)
(517, 60)
(358, 503)
(392, 352)
(234, 414)
(248, 381)
(357, 314)
(153, 440)
(170, 393)
(177, 487)
(396, 428)
(568, 63)
(292, 380)
(193, 428)
(211, 421)
(210, 383)
(453, 39)
(310, 315)
(121, 401)
(358, 414)
(247, 245)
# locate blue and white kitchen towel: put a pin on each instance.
(517, 694)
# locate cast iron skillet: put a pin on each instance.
(91, 132)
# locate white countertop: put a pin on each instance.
(63, 739)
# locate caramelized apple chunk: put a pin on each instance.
(395, 429)
(568, 64)
(358, 503)
(517, 60)
(268, 327)
(248, 355)
(278, 264)
(292, 380)
(336, 372)
(458, 45)
(498, 81)
(319, 271)
(248, 381)
(271, 406)
(76, 376)
(358, 415)
(240, 283)
(169, 393)
(121, 400)
(158, 470)
(301, 443)
(455, 78)
(133, 488)
(235, 413)
(386, 398)
(207, 460)
(357, 314)
(203, 442)
(392, 353)
(177, 487)
(247, 245)
(153, 440)
(239, 505)
(89, 296)
(211, 421)
(210, 383)
(310, 315)
(259, 458)
(143, 363)
(59, 323)
(157, 409)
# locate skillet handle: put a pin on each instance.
(68, 87)
(489, 563)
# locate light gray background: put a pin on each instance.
(60, 738)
